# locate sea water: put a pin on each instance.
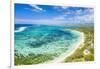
(44, 39)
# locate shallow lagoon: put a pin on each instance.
(43, 39)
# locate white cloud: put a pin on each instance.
(36, 8)
(78, 12)
(87, 16)
(82, 19)
(64, 7)
(86, 11)
(60, 7)
(60, 20)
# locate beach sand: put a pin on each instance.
(67, 54)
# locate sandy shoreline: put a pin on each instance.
(65, 55)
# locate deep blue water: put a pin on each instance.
(34, 25)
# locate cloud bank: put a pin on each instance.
(80, 16)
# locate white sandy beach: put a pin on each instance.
(67, 54)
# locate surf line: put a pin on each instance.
(21, 29)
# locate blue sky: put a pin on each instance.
(50, 14)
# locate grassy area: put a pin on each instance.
(78, 55)
(31, 59)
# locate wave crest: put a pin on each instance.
(21, 29)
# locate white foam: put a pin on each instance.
(21, 29)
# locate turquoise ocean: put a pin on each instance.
(44, 39)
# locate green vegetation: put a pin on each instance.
(78, 55)
(31, 59)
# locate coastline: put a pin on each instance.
(87, 47)
(76, 54)
(67, 54)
